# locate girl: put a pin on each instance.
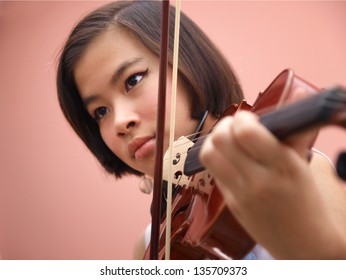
(107, 87)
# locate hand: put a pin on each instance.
(269, 186)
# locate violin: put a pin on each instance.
(202, 226)
(199, 226)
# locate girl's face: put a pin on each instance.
(117, 77)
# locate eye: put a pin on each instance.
(100, 112)
(133, 80)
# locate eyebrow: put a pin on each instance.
(115, 78)
(122, 68)
(89, 99)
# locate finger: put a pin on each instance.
(256, 141)
(227, 176)
(213, 158)
(227, 162)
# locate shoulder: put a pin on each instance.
(321, 164)
(142, 243)
(325, 175)
(321, 158)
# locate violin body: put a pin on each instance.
(202, 226)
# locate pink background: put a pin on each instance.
(56, 202)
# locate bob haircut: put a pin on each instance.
(207, 76)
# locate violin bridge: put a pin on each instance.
(201, 181)
(175, 165)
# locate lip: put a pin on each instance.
(136, 143)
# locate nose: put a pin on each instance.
(125, 122)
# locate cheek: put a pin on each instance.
(147, 106)
(108, 137)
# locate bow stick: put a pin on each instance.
(160, 130)
(160, 127)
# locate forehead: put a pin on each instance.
(106, 53)
(117, 42)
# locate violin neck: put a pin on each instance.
(324, 108)
(327, 107)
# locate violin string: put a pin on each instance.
(192, 135)
(184, 143)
